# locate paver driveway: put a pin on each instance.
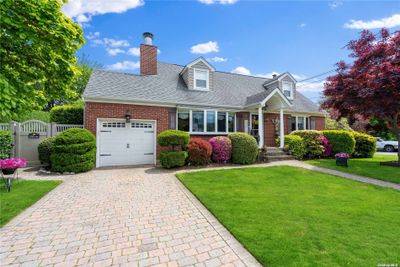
(132, 217)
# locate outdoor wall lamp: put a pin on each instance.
(127, 116)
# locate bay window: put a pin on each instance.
(210, 121)
(301, 123)
(206, 121)
(198, 121)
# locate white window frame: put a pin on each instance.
(305, 119)
(205, 132)
(291, 89)
(207, 79)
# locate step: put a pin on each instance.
(279, 157)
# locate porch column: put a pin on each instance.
(260, 127)
(281, 129)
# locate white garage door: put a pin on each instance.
(122, 143)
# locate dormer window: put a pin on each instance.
(200, 79)
(287, 89)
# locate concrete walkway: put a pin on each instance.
(119, 217)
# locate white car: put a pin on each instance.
(387, 146)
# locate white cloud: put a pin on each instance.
(303, 25)
(268, 75)
(217, 59)
(93, 36)
(205, 48)
(114, 51)
(222, 2)
(311, 86)
(134, 51)
(335, 4)
(124, 65)
(82, 10)
(388, 22)
(241, 70)
(115, 43)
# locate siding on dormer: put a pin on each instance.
(190, 75)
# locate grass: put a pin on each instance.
(365, 167)
(287, 216)
(23, 194)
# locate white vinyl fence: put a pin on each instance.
(28, 134)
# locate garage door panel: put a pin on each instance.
(126, 143)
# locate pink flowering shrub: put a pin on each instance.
(12, 163)
(327, 146)
(221, 149)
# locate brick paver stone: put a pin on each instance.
(119, 217)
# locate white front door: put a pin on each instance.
(122, 143)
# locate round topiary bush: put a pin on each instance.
(244, 148)
(170, 159)
(5, 144)
(341, 141)
(68, 114)
(221, 149)
(45, 149)
(312, 142)
(199, 152)
(74, 150)
(173, 138)
(365, 145)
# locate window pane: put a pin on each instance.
(300, 123)
(183, 121)
(231, 122)
(287, 88)
(307, 123)
(210, 121)
(198, 121)
(293, 124)
(201, 83)
(221, 121)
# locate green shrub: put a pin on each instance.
(365, 145)
(341, 141)
(68, 114)
(45, 149)
(244, 148)
(295, 145)
(173, 138)
(5, 144)
(170, 159)
(74, 150)
(312, 142)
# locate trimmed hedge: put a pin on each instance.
(173, 138)
(221, 149)
(170, 159)
(295, 145)
(74, 150)
(365, 145)
(68, 114)
(312, 142)
(45, 149)
(199, 152)
(244, 148)
(5, 144)
(341, 141)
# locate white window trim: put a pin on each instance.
(205, 132)
(207, 80)
(305, 119)
(291, 89)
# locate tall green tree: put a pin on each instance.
(37, 54)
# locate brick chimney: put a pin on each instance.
(148, 55)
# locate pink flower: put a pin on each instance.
(221, 147)
(12, 163)
(342, 155)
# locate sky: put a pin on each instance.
(305, 38)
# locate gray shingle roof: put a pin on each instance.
(229, 90)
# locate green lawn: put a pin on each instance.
(23, 194)
(365, 167)
(287, 216)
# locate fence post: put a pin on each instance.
(53, 129)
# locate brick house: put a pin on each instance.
(127, 111)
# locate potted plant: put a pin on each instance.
(341, 159)
(8, 166)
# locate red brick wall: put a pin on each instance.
(148, 59)
(93, 111)
(319, 123)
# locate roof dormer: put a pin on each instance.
(284, 82)
(198, 75)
